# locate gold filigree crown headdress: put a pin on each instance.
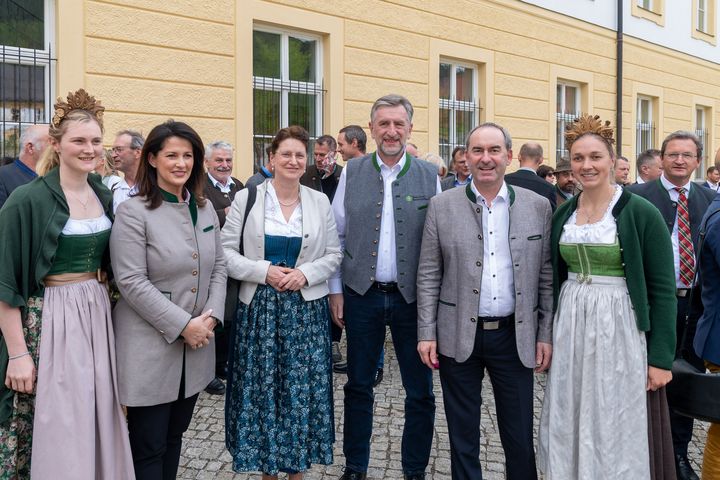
(589, 124)
(79, 100)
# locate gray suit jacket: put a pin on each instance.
(167, 272)
(450, 272)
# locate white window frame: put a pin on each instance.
(284, 85)
(644, 126)
(701, 16)
(12, 55)
(700, 131)
(562, 118)
(454, 105)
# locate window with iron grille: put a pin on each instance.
(287, 86)
(459, 105)
(26, 63)
(567, 109)
(702, 132)
(644, 125)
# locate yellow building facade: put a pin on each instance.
(517, 64)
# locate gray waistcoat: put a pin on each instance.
(412, 190)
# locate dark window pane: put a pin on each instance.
(559, 95)
(266, 110)
(302, 111)
(266, 54)
(302, 59)
(571, 103)
(445, 70)
(464, 122)
(22, 23)
(464, 84)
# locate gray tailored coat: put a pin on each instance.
(167, 272)
(450, 272)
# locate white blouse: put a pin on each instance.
(87, 226)
(603, 231)
(275, 223)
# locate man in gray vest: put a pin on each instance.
(380, 207)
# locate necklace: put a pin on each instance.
(591, 213)
(289, 204)
(87, 199)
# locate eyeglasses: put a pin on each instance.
(685, 155)
(118, 149)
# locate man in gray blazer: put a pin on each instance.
(484, 296)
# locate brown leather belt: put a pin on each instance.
(62, 279)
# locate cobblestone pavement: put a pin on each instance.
(204, 455)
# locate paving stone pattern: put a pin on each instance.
(204, 455)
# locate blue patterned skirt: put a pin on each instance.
(279, 407)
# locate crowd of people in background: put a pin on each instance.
(135, 278)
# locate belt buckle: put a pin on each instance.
(491, 325)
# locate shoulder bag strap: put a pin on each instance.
(252, 194)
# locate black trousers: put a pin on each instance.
(512, 382)
(681, 426)
(156, 437)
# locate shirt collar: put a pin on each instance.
(230, 182)
(25, 168)
(502, 193)
(398, 166)
(169, 197)
(669, 186)
(528, 169)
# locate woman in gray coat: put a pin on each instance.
(170, 269)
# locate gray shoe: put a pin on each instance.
(336, 355)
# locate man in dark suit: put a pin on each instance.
(324, 175)
(680, 202)
(33, 141)
(712, 178)
(461, 175)
(220, 190)
(530, 158)
(565, 185)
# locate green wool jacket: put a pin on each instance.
(647, 258)
(30, 224)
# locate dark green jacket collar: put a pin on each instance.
(405, 168)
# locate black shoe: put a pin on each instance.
(683, 469)
(353, 475)
(340, 367)
(216, 387)
(415, 476)
(379, 374)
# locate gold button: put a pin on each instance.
(373, 254)
(194, 273)
(193, 290)
(194, 255)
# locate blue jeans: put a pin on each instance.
(366, 317)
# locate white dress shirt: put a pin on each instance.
(674, 195)
(497, 288)
(122, 192)
(223, 188)
(386, 266)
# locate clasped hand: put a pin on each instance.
(21, 374)
(199, 330)
(284, 278)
